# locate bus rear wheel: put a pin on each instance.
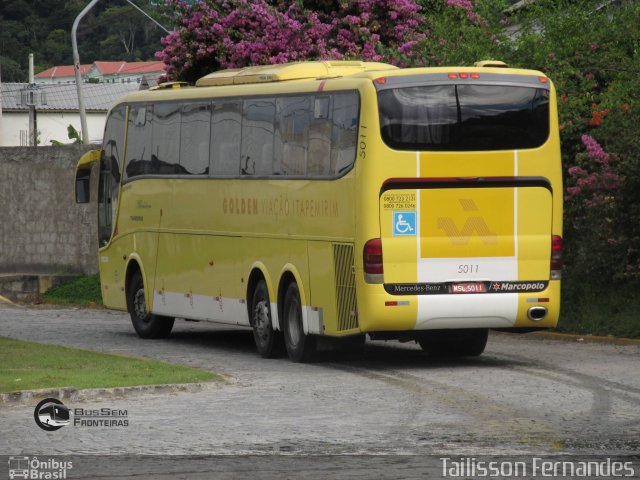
(268, 341)
(454, 343)
(300, 347)
(146, 325)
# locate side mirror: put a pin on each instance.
(83, 181)
(83, 174)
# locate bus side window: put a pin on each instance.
(292, 135)
(258, 117)
(165, 155)
(138, 158)
(195, 130)
(320, 138)
(226, 128)
(344, 132)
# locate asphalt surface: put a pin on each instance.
(378, 410)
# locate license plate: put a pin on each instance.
(475, 287)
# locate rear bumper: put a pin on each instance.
(380, 311)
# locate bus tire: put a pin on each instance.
(146, 325)
(300, 347)
(268, 341)
(454, 343)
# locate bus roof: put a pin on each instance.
(306, 75)
(290, 71)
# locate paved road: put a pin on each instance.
(524, 396)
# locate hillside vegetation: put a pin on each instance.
(111, 30)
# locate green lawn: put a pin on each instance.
(29, 366)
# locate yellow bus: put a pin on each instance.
(335, 199)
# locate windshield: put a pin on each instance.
(457, 117)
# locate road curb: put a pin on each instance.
(31, 397)
(6, 301)
(570, 337)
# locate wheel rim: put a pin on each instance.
(140, 306)
(293, 323)
(261, 321)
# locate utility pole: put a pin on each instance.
(76, 63)
(33, 124)
(76, 67)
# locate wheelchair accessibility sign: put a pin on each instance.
(404, 224)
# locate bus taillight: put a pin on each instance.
(556, 257)
(372, 256)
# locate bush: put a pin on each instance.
(84, 290)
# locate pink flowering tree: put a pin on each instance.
(214, 35)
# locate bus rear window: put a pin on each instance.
(466, 118)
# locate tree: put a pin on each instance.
(111, 31)
(235, 33)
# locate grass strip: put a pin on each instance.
(31, 366)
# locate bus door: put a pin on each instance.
(109, 181)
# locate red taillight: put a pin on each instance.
(453, 75)
(543, 79)
(475, 75)
(381, 80)
(372, 256)
(556, 257)
(464, 75)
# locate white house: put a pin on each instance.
(62, 74)
(56, 109)
(104, 72)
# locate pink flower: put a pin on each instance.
(236, 33)
(594, 149)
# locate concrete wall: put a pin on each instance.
(42, 229)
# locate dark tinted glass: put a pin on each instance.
(292, 135)
(226, 129)
(464, 117)
(165, 155)
(194, 138)
(113, 142)
(258, 119)
(138, 159)
(319, 163)
(344, 132)
(110, 167)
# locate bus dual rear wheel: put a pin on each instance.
(454, 343)
(268, 341)
(146, 325)
(300, 347)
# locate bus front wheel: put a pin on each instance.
(300, 347)
(454, 343)
(268, 341)
(146, 325)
